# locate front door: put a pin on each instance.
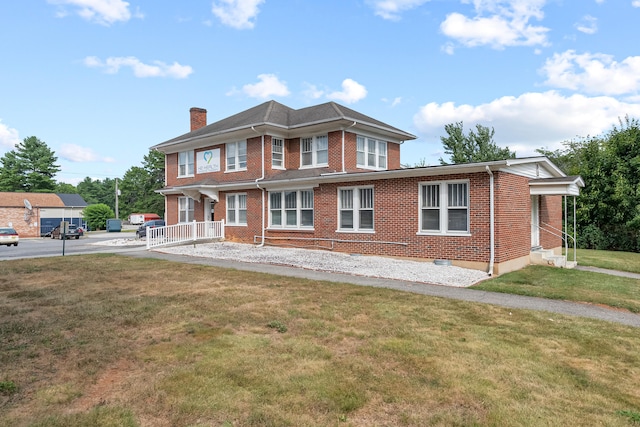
(209, 206)
(535, 221)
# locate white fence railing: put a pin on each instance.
(184, 232)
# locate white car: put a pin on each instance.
(9, 236)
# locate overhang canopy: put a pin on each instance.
(562, 186)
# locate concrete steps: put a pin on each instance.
(548, 257)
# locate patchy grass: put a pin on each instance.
(570, 285)
(141, 342)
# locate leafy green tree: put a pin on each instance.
(477, 146)
(65, 188)
(30, 167)
(97, 215)
(139, 184)
(98, 191)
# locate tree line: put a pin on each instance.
(608, 208)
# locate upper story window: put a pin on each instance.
(237, 209)
(185, 163)
(185, 209)
(236, 156)
(277, 153)
(314, 151)
(355, 206)
(371, 153)
(291, 209)
(444, 207)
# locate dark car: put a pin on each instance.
(73, 232)
(154, 223)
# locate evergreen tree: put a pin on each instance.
(30, 167)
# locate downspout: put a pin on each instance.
(491, 223)
(261, 189)
(343, 131)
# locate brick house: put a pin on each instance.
(35, 214)
(330, 177)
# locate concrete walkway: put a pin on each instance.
(463, 294)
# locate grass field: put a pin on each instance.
(141, 342)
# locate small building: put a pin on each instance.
(36, 214)
(327, 176)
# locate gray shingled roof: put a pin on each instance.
(278, 115)
(72, 200)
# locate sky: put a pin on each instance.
(101, 81)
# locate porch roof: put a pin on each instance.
(560, 186)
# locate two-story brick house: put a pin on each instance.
(330, 177)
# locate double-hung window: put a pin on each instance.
(314, 151)
(444, 207)
(277, 153)
(291, 209)
(185, 163)
(185, 209)
(236, 156)
(237, 209)
(371, 153)
(355, 209)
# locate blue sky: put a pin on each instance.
(100, 81)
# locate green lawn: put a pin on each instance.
(141, 342)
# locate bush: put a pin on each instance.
(97, 215)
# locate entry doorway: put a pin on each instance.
(535, 221)
(209, 209)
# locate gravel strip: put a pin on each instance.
(359, 265)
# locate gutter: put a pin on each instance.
(491, 222)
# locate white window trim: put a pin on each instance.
(236, 209)
(444, 209)
(236, 164)
(356, 210)
(272, 151)
(187, 210)
(299, 208)
(377, 142)
(314, 152)
(190, 156)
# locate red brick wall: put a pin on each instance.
(15, 216)
(513, 217)
(550, 213)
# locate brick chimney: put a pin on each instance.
(198, 118)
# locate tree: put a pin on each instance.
(97, 215)
(97, 191)
(65, 188)
(476, 147)
(30, 167)
(139, 184)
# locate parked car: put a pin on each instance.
(142, 230)
(9, 236)
(73, 232)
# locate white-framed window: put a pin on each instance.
(236, 156)
(444, 207)
(277, 153)
(185, 209)
(371, 153)
(314, 151)
(355, 209)
(291, 209)
(236, 209)
(185, 163)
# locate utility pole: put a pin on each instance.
(117, 194)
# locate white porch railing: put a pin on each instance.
(184, 233)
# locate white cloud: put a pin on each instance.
(312, 91)
(268, 86)
(530, 121)
(239, 14)
(352, 91)
(104, 12)
(498, 23)
(158, 69)
(593, 73)
(588, 25)
(391, 9)
(8, 137)
(635, 3)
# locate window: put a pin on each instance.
(185, 209)
(185, 163)
(314, 151)
(237, 156)
(444, 207)
(371, 153)
(355, 206)
(277, 153)
(237, 209)
(291, 209)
